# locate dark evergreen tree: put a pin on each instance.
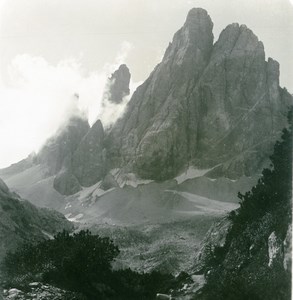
(82, 263)
(274, 189)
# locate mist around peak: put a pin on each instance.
(49, 96)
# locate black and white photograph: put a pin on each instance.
(146, 149)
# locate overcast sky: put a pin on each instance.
(50, 49)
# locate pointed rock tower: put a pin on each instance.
(118, 85)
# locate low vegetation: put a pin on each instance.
(82, 263)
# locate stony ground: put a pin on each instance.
(39, 291)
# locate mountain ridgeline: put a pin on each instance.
(215, 106)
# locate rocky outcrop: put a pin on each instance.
(57, 154)
(58, 150)
(274, 249)
(287, 244)
(118, 85)
(75, 155)
(85, 163)
(89, 159)
(39, 291)
(215, 237)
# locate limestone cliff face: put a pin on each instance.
(204, 104)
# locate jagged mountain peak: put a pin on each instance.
(194, 38)
(123, 68)
(236, 39)
(98, 126)
(118, 84)
(198, 16)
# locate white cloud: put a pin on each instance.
(126, 47)
(41, 98)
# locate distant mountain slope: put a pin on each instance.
(20, 221)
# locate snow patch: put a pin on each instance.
(75, 218)
(68, 205)
(205, 205)
(87, 191)
(130, 179)
(47, 234)
(91, 192)
(99, 192)
(212, 179)
(191, 173)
